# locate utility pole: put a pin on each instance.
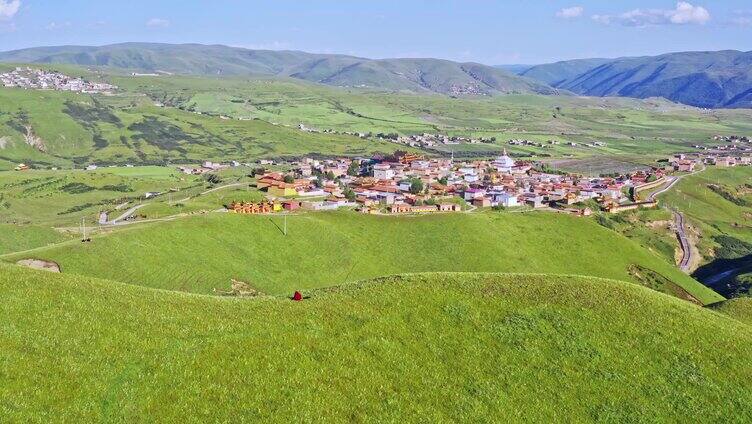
(285, 224)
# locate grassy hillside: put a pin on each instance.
(718, 204)
(15, 238)
(739, 308)
(643, 129)
(48, 128)
(719, 200)
(462, 347)
(323, 249)
(417, 75)
(62, 198)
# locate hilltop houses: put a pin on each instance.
(38, 79)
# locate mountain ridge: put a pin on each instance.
(708, 79)
(399, 74)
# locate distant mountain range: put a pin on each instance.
(720, 79)
(416, 75)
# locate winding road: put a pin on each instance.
(679, 221)
(681, 234)
(671, 182)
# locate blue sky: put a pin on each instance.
(491, 32)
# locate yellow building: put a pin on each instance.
(282, 191)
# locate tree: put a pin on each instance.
(330, 175)
(213, 179)
(416, 186)
(289, 179)
(354, 169)
(350, 194)
(443, 180)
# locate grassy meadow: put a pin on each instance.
(157, 120)
(50, 128)
(200, 253)
(60, 198)
(630, 127)
(436, 347)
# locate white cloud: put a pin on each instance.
(9, 8)
(570, 12)
(158, 23)
(684, 14)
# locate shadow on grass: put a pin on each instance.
(720, 275)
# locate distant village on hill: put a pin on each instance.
(38, 79)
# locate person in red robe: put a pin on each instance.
(297, 296)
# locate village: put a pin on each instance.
(406, 183)
(38, 79)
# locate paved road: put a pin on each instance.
(125, 215)
(681, 234)
(671, 182)
(679, 221)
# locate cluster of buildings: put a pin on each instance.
(732, 138)
(406, 183)
(432, 140)
(688, 162)
(209, 166)
(29, 78)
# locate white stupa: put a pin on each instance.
(503, 163)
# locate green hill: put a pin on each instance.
(49, 128)
(716, 79)
(322, 249)
(739, 308)
(445, 347)
(419, 75)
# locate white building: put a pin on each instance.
(504, 199)
(503, 163)
(383, 171)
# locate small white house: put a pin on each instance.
(383, 171)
